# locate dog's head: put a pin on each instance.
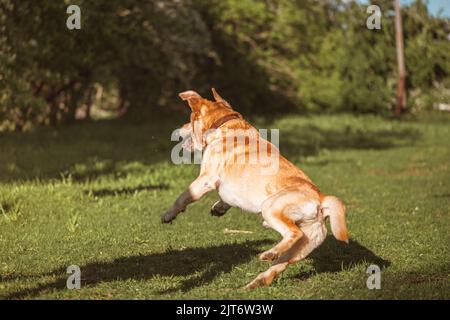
(205, 115)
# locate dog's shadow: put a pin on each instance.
(199, 266)
(107, 192)
(334, 256)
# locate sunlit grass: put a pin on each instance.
(92, 195)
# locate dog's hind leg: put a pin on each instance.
(284, 212)
(314, 235)
(277, 220)
(265, 278)
(219, 208)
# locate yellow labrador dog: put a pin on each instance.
(239, 163)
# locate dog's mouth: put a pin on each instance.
(188, 144)
(185, 133)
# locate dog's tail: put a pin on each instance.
(332, 207)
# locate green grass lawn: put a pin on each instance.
(92, 195)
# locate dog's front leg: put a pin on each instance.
(198, 188)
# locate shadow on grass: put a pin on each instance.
(199, 265)
(308, 140)
(334, 256)
(442, 195)
(124, 191)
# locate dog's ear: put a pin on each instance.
(218, 98)
(193, 98)
(187, 95)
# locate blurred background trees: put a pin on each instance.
(132, 57)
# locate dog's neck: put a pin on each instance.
(221, 121)
(212, 133)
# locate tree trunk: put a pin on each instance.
(401, 88)
(53, 114)
(53, 100)
(89, 103)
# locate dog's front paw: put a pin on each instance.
(268, 255)
(216, 212)
(167, 217)
(219, 209)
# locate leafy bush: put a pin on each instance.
(266, 56)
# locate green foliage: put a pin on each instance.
(143, 49)
(320, 55)
(266, 56)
